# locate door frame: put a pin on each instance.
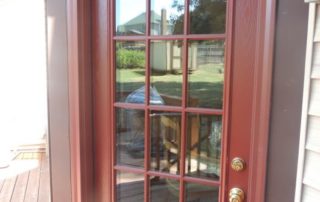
(89, 100)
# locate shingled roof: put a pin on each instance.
(141, 19)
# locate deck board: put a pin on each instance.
(1, 184)
(44, 186)
(7, 189)
(20, 187)
(33, 186)
(26, 179)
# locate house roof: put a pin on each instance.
(141, 19)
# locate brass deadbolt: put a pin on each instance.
(238, 164)
(236, 195)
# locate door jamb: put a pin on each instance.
(262, 99)
(80, 99)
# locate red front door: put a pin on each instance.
(174, 99)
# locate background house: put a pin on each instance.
(137, 25)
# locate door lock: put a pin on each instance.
(238, 164)
(236, 195)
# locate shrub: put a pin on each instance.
(128, 59)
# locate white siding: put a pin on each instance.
(308, 177)
(317, 28)
(313, 137)
(310, 195)
(314, 108)
(316, 60)
(312, 168)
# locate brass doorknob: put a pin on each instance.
(238, 164)
(236, 195)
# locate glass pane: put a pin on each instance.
(203, 146)
(206, 74)
(130, 17)
(201, 193)
(164, 190)
(165, 141)
(130, 137)
(166, 72)
(130, 187)
(167, 17)
(207, 16)
(130, 71)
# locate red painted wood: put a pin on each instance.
(80, 99)
(169, 108)
(112, 84)
(205, 111)
(101, 44)
(251, 63)
(223, 191)
(241, 92)
(172, 37)
(242, 100)
(74, 113)
(183, 114)
(262, 100)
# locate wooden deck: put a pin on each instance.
(26, 179)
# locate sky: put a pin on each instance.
(128, 9)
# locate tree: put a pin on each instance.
(206, 16)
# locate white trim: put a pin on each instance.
(305, 103)
(312, 1)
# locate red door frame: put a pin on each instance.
(252, 52)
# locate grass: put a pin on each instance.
(205, 84)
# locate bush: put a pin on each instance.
(128, 59)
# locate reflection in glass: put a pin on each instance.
(164, 190)
(203, 146)
(129, 187)
(165, 141)
(167, 17)
(130, 137)
(207, 16)
(130, 17)
(166, 70)
(206, 74)
(201, 193)
(130, 71)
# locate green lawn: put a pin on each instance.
(205, 83)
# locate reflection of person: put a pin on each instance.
(135, 127)
(138, 96)
(135, 118)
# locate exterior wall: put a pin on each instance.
(308, 181)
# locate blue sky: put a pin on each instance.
(132, 8)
